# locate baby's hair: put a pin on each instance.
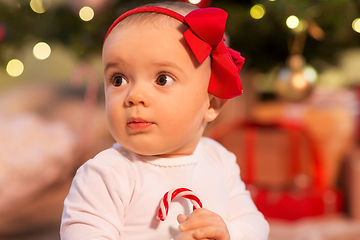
(179, 7)
(162, 19)
(182, 8)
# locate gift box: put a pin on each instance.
(288, 153)
(353, 183)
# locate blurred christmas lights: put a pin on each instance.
(356, 25)
(194, 1)
(41, 50)
(198, 3)
(39, 6)
(292, 22)
(299, 81)
(86, 13)
(310, 74)
(302, 26)
(257, 11)
(15, 67)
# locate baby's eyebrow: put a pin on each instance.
(168, 64)
(157, 64)
(110, 65)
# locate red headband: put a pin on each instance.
(204, 36)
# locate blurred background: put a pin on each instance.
(295, 130)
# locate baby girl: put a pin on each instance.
(167, 74)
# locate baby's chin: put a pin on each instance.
(159, 154)
(156, 152)
(141, 149)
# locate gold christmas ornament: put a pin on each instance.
(295, 81)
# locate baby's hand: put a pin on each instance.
(202, 224)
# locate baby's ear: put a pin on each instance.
(215, 106)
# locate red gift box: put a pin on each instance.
(302, 196)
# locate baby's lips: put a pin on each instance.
(137, 120)
(138, 124)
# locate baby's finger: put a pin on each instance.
(187, 236)
(181, 218)
(199, 222)
(211, 232)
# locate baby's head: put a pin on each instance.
(160, 78)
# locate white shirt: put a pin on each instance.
(116, 195)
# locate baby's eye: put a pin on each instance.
(119, 81)
(164, 80)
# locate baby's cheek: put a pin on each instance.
(112, 120)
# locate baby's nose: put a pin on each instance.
(138, 96)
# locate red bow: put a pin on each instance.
(206, 36)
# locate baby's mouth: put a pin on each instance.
(138, 124)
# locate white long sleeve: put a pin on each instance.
(116, 195)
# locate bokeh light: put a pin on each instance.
(41, 50)
(302, 26)
(39, 6)
(356, 25)
(310, 74)
(15, 67)
(257, 11)
(194, 1)
(292, 22)
(86, 13)
(299, 81)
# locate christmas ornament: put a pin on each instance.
(295, 81)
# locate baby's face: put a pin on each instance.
(156, 92)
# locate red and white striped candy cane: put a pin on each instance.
(170, 195)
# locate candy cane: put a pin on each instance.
(170, 195)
